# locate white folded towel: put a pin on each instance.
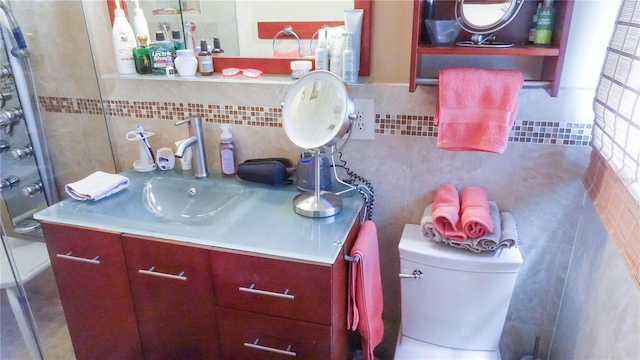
(96, 186)
(503, 235)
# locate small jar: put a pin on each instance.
(186, 63)
(299, 68)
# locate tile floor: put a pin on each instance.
(47, 311)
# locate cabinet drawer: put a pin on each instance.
(287, 289)
(246, 335)
(172, 291)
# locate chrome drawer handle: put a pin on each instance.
(251, 289)
(255, 345)
(155, 273)
(68, 256)
(417, 274)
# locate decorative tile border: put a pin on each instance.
(540, 132)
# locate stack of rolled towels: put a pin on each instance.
(468, 220)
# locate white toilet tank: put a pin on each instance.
(462, 299)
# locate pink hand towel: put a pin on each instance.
(446, 213)
(476, 212)
(476, 108)
(292, 53)
(365, 290)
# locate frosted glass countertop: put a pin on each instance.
(261, 220)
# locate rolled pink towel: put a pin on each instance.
(446, 213)
(475, 212)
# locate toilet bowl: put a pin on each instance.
(453, 302)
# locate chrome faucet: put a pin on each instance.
(196, 138)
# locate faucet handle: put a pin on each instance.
(195, 120)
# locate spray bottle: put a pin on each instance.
(227, 151)
(139, 21)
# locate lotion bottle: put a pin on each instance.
(227, 151)
(349, 69)
(139, 21)
(322, 53)
(123, 42)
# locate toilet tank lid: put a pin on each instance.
(415, 247)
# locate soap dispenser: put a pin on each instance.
(227, 151)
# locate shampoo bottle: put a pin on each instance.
(349, 69)
(227, 151)
(545, 24)
(139, 21)
(322, 53)
(123, 42)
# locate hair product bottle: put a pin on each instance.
(205, 60)
(322, 53)
(545, 24)
(139, 21)
(123, 42)
(349, 69)
(217, 51)
(142, 56)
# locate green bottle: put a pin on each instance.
(162, 54)
(142, 56)
(544, 25)
(177, 41)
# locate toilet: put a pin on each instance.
(453, 302)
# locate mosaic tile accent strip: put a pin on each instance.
(540, 132)
(526, 131)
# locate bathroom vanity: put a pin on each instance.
(249, 280)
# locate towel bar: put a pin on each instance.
(353, 259)
(527, 83)
(287, 31)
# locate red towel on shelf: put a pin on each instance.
(476, 108)
(365, 290)
(446, 213)
(292, 53)
(476, 213)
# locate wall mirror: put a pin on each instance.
(235, 23)
(483, 18)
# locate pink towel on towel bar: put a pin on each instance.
(446, 213)
(292, 53)
(476, 108)
(365, 289)
(476, 212)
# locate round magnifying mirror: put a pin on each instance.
(482, 17)
(317, 113)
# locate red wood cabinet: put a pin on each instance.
(173, 294)
(91, 276)
(522, 56)
(133, 297)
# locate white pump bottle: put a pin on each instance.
(139, 21)
(124, 40)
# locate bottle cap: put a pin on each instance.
(203, 45)
(216, 43)
(226, 135)
(142, 39)
(159, 36)
(175, 34)
(322, 38)
(184, 53)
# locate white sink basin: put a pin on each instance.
(188, 200)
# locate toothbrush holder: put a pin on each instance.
(145, 161)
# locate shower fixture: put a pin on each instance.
(9, 182)
(22, 152)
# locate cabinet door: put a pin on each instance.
(173, 295)
(92, 280)
(246, 335)
(289, 289)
